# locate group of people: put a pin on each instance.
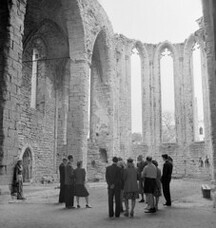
(125, 182)
(72, 183)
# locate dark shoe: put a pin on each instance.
(88, 206)
(151, 210)
(131, 214)
(142, 201)
(167, 204)
(78, 206)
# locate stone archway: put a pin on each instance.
(27, 165)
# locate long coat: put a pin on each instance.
(130, 180)
(69, 174)
(62, 173)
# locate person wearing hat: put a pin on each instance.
(62, 180)
(131, 191)
(166, 178)
(114, 181)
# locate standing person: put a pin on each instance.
(166, 178)
(62, 180)
(69, 184)
(114, 182)
(157, 192)
(122, 165)
(17, 183)
(130, 187)
(149, 174)
(80, 189)
(140, 166)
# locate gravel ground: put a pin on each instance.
(40, 210)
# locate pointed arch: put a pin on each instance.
(189, 105)
(156, 85)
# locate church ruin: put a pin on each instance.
(66, 89)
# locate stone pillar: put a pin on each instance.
(77, 119)
(12, 26)
(188, 94)
(209, 9)
(78, 110)
(146, 108)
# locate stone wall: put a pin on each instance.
(72, 37)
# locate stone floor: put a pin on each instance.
(42, 210)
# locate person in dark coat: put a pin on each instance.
(80, 189)
(17, 183)
(166, 179)
(62, 180)
(114, 182)
(69, 184)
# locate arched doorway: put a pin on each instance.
(27, 165)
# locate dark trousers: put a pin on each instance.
(62, 193)
(166, 191)
(69, 195)
(114, 193)
(20, 189)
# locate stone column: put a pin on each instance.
(77, 127)
(209, 9)
(11, 26)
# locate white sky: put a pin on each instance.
(152, 21)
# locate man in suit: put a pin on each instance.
(166, 178)
(114, 181)
(62, 180)
(69, 184)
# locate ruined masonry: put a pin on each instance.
(58, 58)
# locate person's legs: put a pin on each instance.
(147, 202)
(62, 193)
(72, 195)
(117, 202)
(151, 205)
(121, 201)
(156, 202)
(126, 207)
(133, 203)
(141, 191)
(77, 199)
(110, 202)
(20, 190)
(87, 202)
(166, 192)
(67, 196)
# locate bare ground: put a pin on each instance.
(41, 209)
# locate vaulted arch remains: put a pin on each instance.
(196, 87)
(165, 105)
